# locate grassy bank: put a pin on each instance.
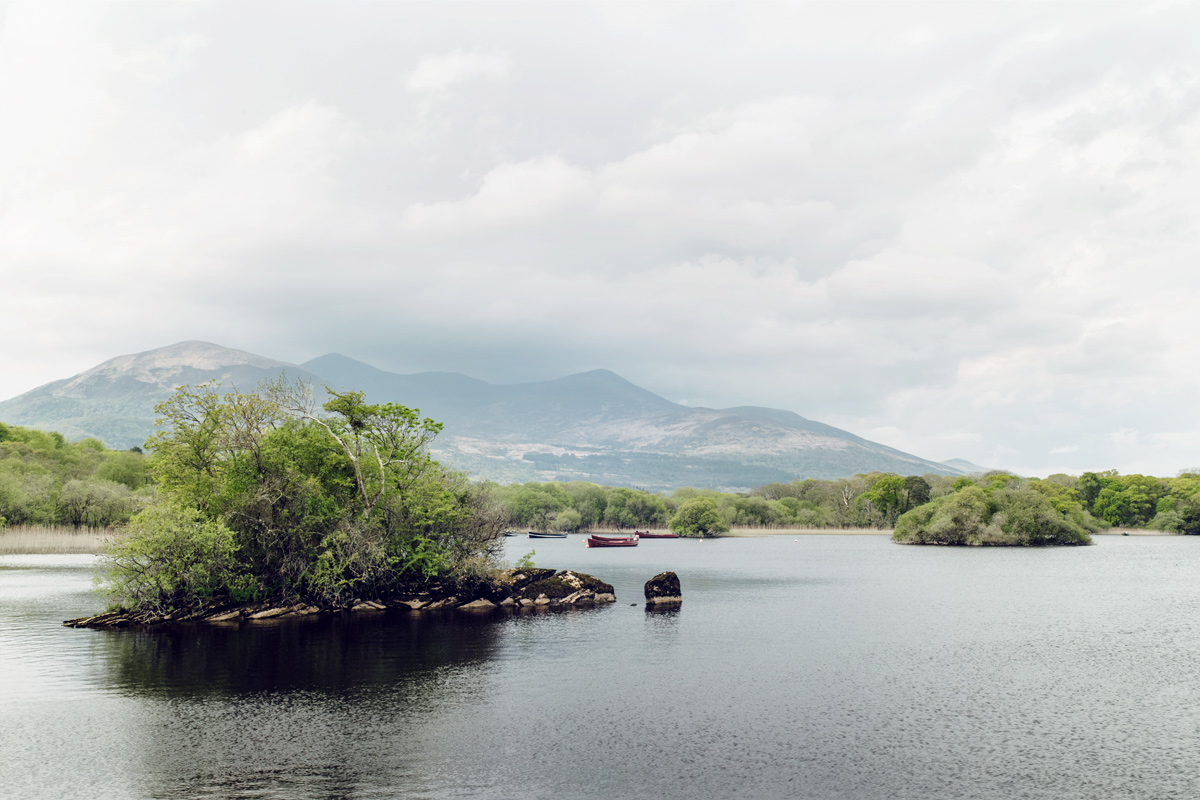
(42, 539)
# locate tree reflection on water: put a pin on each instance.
(310, 707)
(330, 653)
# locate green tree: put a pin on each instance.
(589, 500)
(321, 506)
(172, 557)
(125, 467)
(566, 520)
(1113, 506)
(535, 504)
(1090, 485)
(917, 492)
(996, 515)
(698, 517)
(884, 500)
(629, 508)
(387, 443)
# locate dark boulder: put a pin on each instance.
(663, 589)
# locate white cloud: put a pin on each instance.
(531, 192)
(438, 73)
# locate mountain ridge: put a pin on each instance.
(592, 425)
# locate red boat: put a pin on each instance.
(612, 541)
(648, 535)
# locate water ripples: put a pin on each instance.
(833, 667)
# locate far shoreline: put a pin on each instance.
(45, 540)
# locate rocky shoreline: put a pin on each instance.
(512, 589)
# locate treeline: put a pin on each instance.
(45, 480)
(1140, 501)
(874, 500)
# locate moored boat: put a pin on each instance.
(648, 535)
(612, 541)
(536, 535)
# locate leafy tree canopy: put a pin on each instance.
(698, 517)
(267, 497)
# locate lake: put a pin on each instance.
(824, 667)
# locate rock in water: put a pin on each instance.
(567, 588)
(663, 589)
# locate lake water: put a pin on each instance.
(828, 667)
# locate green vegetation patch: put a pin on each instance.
(46, 481)
(994, 516)
(264, 497)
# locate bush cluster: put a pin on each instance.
(994, 515)
(263, 496)
(44, 480)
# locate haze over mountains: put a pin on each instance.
(592, 426)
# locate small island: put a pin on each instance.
(269, 508)
(1001, 514)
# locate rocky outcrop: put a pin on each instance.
(664, 590)
(566, 588)
(509, 590)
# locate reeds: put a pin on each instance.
(44, 539)
(783, 530)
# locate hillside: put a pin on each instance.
(114, 401)
(599, 427)
(593, 426)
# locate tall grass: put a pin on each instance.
(784, 530)
(42, 539)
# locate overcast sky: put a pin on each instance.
(963, 230)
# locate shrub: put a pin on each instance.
(568, 520)
(957, 518)
(1166, 521)
(698, 517)
(1029, 518)
(170, 556)
(996, 516)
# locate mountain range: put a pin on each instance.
(593, 426)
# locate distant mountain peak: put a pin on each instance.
(114, 401)
(338, 358)
(966, 467)
(194, 354)
(159, 365)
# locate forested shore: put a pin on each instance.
(46, 481)
(875, 500)
(264, 496)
